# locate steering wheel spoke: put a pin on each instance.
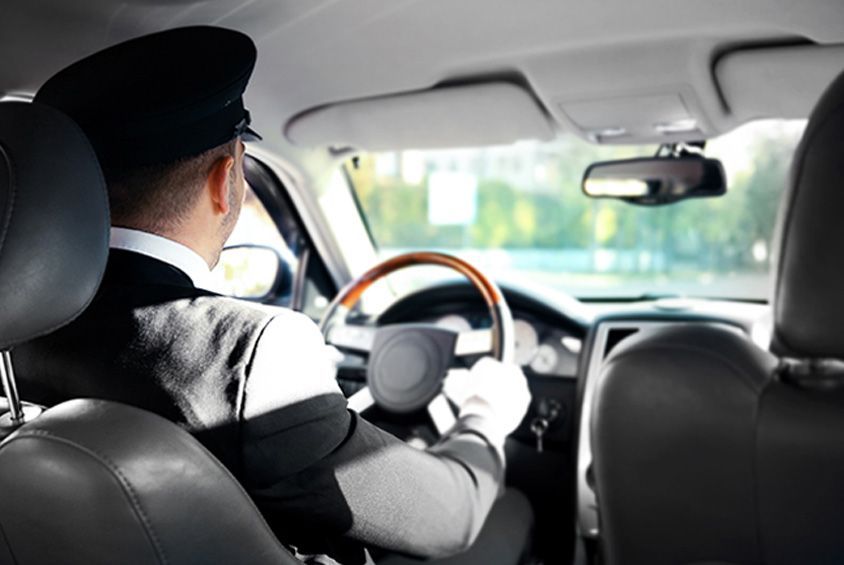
(352, 338)
(473, 342)
(362, 400)
(441, 414)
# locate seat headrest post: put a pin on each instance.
(10, 389)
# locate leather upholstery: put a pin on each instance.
(800, 462)
(702, 454)
(673, 445)
(808, 304)
(708, 449)
(98, 482)
(53, 221)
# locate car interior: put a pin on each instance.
(634, 202)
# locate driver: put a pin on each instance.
(256, 386)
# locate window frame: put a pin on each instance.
(310, 274)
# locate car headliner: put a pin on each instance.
(317, 52)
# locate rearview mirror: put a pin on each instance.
(655, 180)
(249, 271)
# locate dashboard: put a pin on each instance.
(561, 345)
(540, 348)
(548, 340)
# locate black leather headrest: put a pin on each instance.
(53, 221)
(809, 291)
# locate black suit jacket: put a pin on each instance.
(319, 473)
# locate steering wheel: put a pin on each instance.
(406, 363)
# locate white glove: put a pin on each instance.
(495, 391)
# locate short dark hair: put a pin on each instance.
(158, 197)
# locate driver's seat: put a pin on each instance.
(91, 481)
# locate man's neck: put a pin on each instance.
(182, 236)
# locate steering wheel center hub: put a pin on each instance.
(407, 365)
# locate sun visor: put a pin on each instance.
(777, 82)
(455, 116)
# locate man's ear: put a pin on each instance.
(218, 184)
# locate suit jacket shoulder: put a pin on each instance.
(152, 340)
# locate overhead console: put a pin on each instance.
(776, 82)
(658, 115)
(453, 116)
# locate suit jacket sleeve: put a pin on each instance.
(320, 472)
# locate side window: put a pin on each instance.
(269, 257)
(256, 227)
(256, 262)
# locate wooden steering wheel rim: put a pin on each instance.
(502, 321)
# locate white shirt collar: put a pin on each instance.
(171, 252)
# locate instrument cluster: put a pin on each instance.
(540, 348)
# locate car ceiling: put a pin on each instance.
(577, 61)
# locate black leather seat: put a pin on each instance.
(708, 449)
(91, 481)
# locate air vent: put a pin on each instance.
(614, 337)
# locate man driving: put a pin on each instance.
(256, 386)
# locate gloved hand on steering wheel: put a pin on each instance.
(492, 393)
(406, 361)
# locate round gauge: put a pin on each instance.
(527, 341)
(454, 323)
(545, 360)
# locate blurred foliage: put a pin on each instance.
(714, 234)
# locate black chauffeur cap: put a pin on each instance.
(158, 98)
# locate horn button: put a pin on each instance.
(407, 365)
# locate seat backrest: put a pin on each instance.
(91, 481)
(708, 449)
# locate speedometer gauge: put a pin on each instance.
(545, 360)
(527, 341)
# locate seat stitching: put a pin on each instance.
(130, 491)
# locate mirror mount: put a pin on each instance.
(681, 149)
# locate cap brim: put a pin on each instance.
(250, 134)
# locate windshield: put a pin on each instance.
(518, 213)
